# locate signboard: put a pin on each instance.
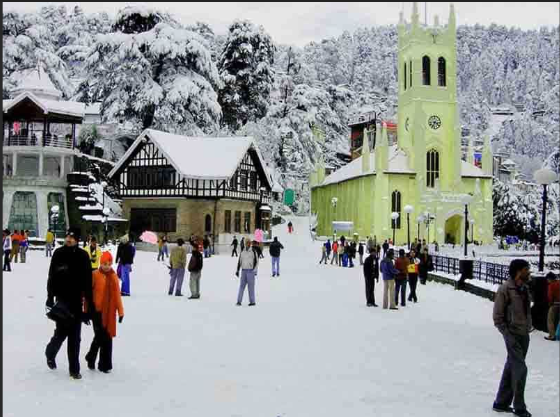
(478, 159)
(343, 226)
(289, 197)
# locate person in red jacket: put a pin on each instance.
(554, 309)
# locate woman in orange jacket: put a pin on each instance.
(107, 303)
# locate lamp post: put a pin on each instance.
(544, 177)
(105, 221)
(334, 201)
(54, 217)
(394, 217)
(467, 199)
(408, 209)
(420, 220)
(427, 218)
(471, 225)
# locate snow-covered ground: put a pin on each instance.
(309, 348)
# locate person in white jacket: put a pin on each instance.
(248, 263)
(7, 249)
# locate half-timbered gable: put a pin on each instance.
(181, 185)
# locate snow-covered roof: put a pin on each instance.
(508, 162)
(99, 218)
(277, 188)
(39, 83)
(469, 170)
(397, 164)
(93, 108)
(70, 108)
(203, 158)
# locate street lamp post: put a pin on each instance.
(408, 209)
(420, 220)
(394, 217)
(54, 217)
(467, 199)
(105, 212)
(544, 177)
(427, 217)
(471, 221)
(334, 201)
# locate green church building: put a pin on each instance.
(421, 176)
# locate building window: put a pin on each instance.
(396, 207)
(254, 180)
(247, 222)
(426, 70)
(233, 181)
(151, 177)
(237, 222)
(441, 72)
(162, 220)
(227, 221)
(432, 167)
(244, 179)
(208, 224)
(23, 214)
(410, 71)
(405, 72)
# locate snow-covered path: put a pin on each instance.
(309, 348)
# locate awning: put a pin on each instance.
(343, 225)
(265, 208)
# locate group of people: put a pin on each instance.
(15, 246)
(178, 266)
(83, 283)
(407, 269)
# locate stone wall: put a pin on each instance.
(191, 216)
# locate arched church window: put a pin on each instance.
(432, 167)
(426, 70)
(410, 72)
(396, 207)
(441, 72)
(405, 76)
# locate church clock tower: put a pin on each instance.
(428, 118)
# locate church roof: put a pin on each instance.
(397, 164)
(469, 170)
(70, 108)
(38, 82)
(203, 158)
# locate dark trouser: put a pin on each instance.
(73, 332)
(400, 285)
(350, 263)
(370, 290)
(413, 281)
(423, 279)
(512, 385)
(102, 343)
(234, 251)
(161, 255)
(7, 264)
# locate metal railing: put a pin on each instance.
(483, 271)
(53, 141)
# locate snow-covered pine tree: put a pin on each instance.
(162, 78)
(246, 69)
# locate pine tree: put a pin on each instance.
(246, 70)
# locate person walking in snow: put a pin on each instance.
(328, 247)
(107, 304)
(323, 254)
(290, 227)
(195, 269)
(389, 274)
(275, 249)
(385, 248)
(125, 256)
(165, 246)
(234, 244)
(242, 244)
(369, 244)
(371, 274)
(361, 253)
(49, 243)
(335, 252)
(24, 245)
(413, 275)
(178, 263)
(401, 264)
(16, 239)
(94, 253)
(161, 254)
(206, 246)
(7, 248)
(248, 263)
(512, 318)
(70, 282)
(426, 265)
(553, 293)
(341, 250)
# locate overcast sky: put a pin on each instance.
(299, 23)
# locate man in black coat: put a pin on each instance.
(234, 244)
(385, 248)
(275, 249)
(70, 281)
(371, 274)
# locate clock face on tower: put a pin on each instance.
(434, 122)
(407, 124)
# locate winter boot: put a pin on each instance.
(522, 413)
(51, 363)
(76, 375)
(502, 408)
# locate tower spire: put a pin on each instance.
(451, 21)
(415, 15)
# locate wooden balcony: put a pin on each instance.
(48, 140)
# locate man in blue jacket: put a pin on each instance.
(389, 273)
